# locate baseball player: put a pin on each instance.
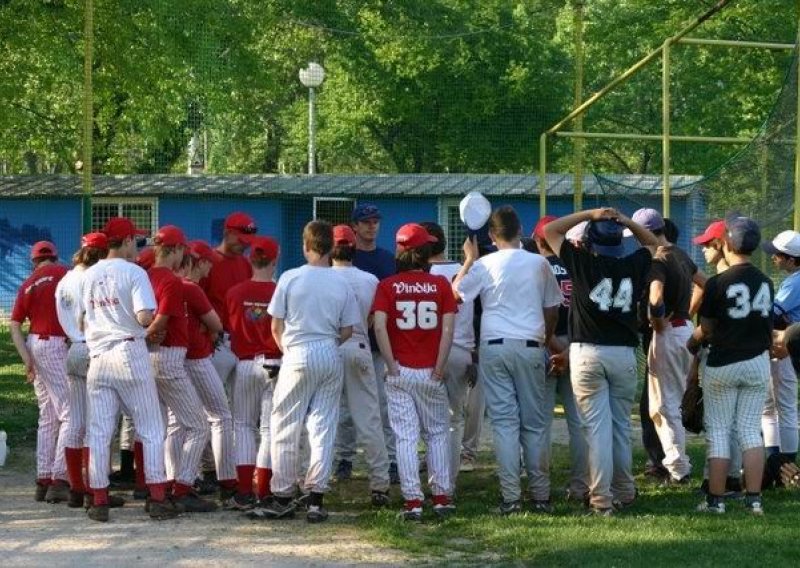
(253, 345)
(313, 312)
(736, 321)
(414, 313)
(44, 354)
(369, 257)
(118, 304)
(459, 368)
(672, 279)
(204, 326)
(69, 292)
(520, 299)
(603, 327)
(187, 425)
(782, 391)
(360, 388)
(558, 381)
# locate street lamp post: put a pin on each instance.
(312, 77)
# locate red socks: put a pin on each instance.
(181, 490)
(245, 475)
(138, 458)
(74, 458)
(158, 492)
(263, 477)
(100, 496)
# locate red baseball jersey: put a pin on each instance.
(197, 305)
(414, 303)
(230, 271)
(168, 289)
(36, 300)
(251, 325)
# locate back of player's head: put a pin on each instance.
(344, 243)
(742, 234)
(435, 230)
(118, 229)
(44, 251)
(413, 247)
(529, 244)
(94, 247)
(504, 224)
(671, 231)
(318, 237)
(605, 237)
(263, 250)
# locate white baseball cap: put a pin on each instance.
(575, 234)
(474, 210)
(787, 242)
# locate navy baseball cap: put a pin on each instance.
(605, 237)
(742, 233)
(364, 211)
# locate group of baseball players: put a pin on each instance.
(214, 373)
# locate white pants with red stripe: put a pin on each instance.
(418, 403)
(211, 391)
(251, 379)
(51, 386)
(77, 369)
(189, 432)
(307, 393)
(123, 376)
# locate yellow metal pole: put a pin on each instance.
(665, 125)
(543, 175)
(577, 199)
(88, 114)
(634, 68)
(735, 43)
(657, 137)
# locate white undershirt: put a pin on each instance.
(464, 330)
(363, 285)
(69, 307)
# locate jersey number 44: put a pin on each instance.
(607, 298)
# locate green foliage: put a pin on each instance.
(18, 410)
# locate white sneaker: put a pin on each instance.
(755, 508)
(718, 509)
(467, 464)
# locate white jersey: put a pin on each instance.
(514, 285)
(464, 331)
(363, 285)
(114, 291)
(69, 303)
(314, 302)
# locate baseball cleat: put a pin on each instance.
(379, 498)
(162, 510)
(41, 491)
(57, 492)
(98, 513)
(412, 510)
(76, 499)
(239, 502)
(259, 512)
(541, 506)
(601, 512)
(279, 510)
(467, 464)
(716, 508)
(316, 514)
(301, 501)
(754, 505)
(509, 508)
(114, 501)
(193, 503)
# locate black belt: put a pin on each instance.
(528, 342)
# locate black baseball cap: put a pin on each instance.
(605, 237)
(742, 233)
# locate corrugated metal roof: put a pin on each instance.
(321, 185)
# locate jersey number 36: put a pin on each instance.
(422, 315)
(603, 295)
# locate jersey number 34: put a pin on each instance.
(604, 296)
(740, 294)
(422, 315)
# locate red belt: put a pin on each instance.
(48, 337)
(677, 322)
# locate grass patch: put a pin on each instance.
(18, 409)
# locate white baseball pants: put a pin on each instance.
(123, 376)
(187, 437)
(455, 381)
(263, 458)
(211, 391)
(308, 391)
(251, 379)
(779, 421)
(734, 396)
(669, 362)
(473, 420)
(418, 403)
(77, 369)
(51, 387)
(224, 362)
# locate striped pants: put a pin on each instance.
(123, 376)
(417, 402)
(77, 369)
(251, 379)
(188, 430)
(211, 391)
(734, 396)
(52, 395)
(307, 393)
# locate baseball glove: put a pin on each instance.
(790, 475)
(692, 402)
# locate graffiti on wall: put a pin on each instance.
(15, 247)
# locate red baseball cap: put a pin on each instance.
(240, 222)
(146, 258)
(95, 240)
(715, 230)
(170, 236)
(344, 235)
(538, 230)
(413, 235)
(263, 248)
(43, 249)
(121, 228)
(201, 251)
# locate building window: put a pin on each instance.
(334, 210)
(454, 230)
(143, 211)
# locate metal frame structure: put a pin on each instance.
(666, 137)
